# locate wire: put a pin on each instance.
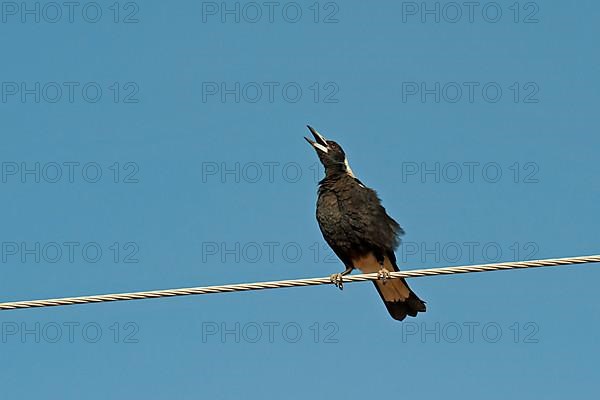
(296, 282)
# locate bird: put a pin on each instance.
(358, 229)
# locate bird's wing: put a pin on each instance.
(364, 212)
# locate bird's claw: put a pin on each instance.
(337, 280)
(383, 275)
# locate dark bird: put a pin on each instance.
(359, 230)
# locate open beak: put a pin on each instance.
(320, 144)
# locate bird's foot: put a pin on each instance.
(383, 275)
(337, 280)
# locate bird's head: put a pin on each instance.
(330, 153)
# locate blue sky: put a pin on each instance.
(148, 145)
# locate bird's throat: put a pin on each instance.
(338, 170)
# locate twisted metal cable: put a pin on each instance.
(240, 287)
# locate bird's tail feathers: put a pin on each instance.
(399, 299)
(399, 308)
